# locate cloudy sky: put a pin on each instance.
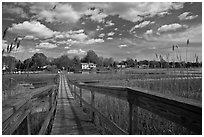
(118, 29)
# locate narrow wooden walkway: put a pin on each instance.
(69, 118)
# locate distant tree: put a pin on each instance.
(100, 61)
(144, 62)
(19, 65)
(91, 57)
(108, 62)
(52, 68)
(130, 62)
(39, 60)
(75, 63)
(154, 64)
(63, 61)
(27, 64)
(115, 63)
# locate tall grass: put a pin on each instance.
(148, 123)
(39, 107)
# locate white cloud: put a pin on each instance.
(61, 42)
(171, 27)
(142, 24)
(75, 51)
(59, 36)
(109, 23)
(63, 12)
(101, 35)
(99, 28)
(184, 16)
(14, 10)
(116, 29)
(30, 37)
(149, 31)
(122, 46)
(132, 10)
(92, 41)
(78, 35)
(33, 50)
(46, 45)
(95, 15)
(109, 38)
(72, 42)
(73, 37)
(33, 28)
(67, 47)
(194, 34)
(161, 14)
(111, 34)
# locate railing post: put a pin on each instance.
(75, 91)
(50, 99)
(9, 93)
(80, 94)
(133, 119)
(28, 124)
(93, 105)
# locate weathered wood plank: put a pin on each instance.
(11, 105)
(14, 126)
(13, 108)
(113, 91)
(175, 109)
(114, 127)
(69, 118)
(47, 120)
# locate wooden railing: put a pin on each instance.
(185, 112)
(17, 110)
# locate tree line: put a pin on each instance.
(38, 61)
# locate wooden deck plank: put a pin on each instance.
(69, 118)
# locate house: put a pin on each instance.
(120, 66)
(84, 66)
(144, 66)
(87, 66)
(5, 67)
(92, 65)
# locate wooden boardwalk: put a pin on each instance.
(69, 118)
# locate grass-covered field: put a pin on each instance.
(13, 82)
(167, 82)
(24, 78)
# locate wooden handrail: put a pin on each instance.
(186, 112)
(115, 128)
(19, 109)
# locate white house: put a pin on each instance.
(92, 65)
(87, 66)
(5, 67)
(144, 66)
(120, 66)
(84, 66)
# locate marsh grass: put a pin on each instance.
(148, 123)
(39, 112)
(13, 86)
